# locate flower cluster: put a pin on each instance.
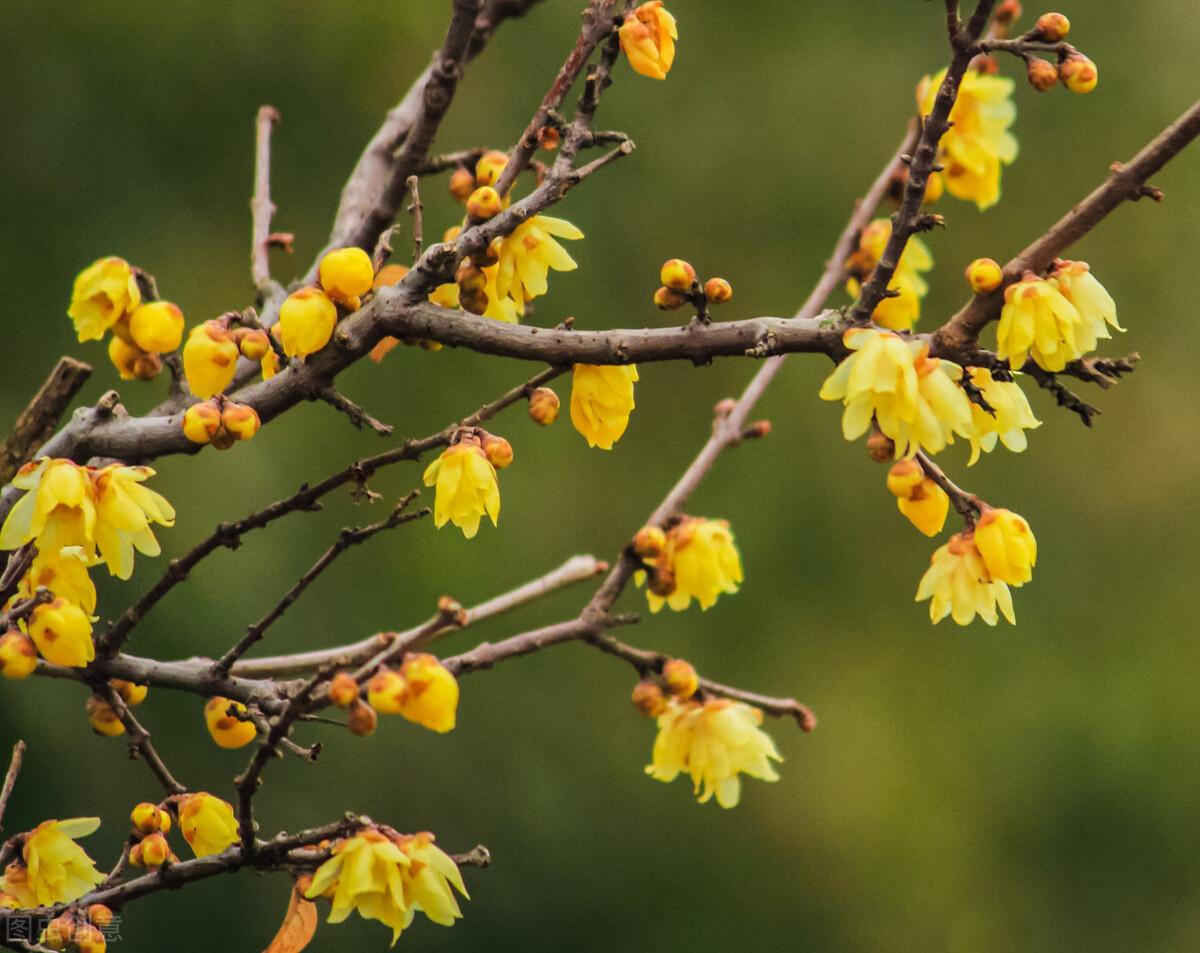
(900, 312)
(423, 690)
(694, 558)
(52, 868)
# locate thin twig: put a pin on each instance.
(358, 415)
(417, 209)
(18, 564)
(967, 504)
(10, 778)
(262, 209)
(139, 741)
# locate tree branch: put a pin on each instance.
(10, 778)
(40, 418)
(261, 207)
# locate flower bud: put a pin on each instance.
(131, 362)
(89, 939)
(661, 579)
(240, 420)
(1052, 27)
(59, 932)
(462, 184)
(253, 343)
(149, 818)
(667, 300)
(99, 915)
(549, 138)
(649, 542)
(18, 656)
(155, 850)
(543, 406)
(385, 691)
(1078, 73)
(718, 290)
(484, 203)
(362, 720)
(346, 273)
(209, 359)
(489, 167)
(102, 718)
(343, 690)
(498, 450)
(1008, 12)
(157, 326)
(227, 730)
(904, 477)
(880, 447)
(935, 186)
(390, 275)
(648, 698)
(306, 322)
(984, 275)
(1042, 74)
(476, 302)
(201, 422)
(131, 694)
(680, 678)
(677, 274)
(469, 277)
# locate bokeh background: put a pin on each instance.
(968, 790)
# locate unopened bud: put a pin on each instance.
(470, 277)
(385, 691)
(362, 720)
(1008, 12)
(1078, 73)
(718, 290)
(880, 447)
(498, 450)
(549, 138)
(1052, 27)
(665, 299)
(489, 167)
(462, 184)
(99, 915)
(59, 932)
(677, 274)
(475, 302)
(149, 818)
(343, 690)
(904, 477)
(680, 678)
(254, 344)
(452, 610)
(648, 698)
(1042, 74)
(18, 655)
(984, 275)
(155, 850)
(102, 718)
(649, 542)
(484, 203)
(89, 939)
(240, 420)
(543, 406)
(390, 275)
(201, 422)
(131, 694)
(724, 407)
(757, 430)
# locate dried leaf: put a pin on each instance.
(299, 924)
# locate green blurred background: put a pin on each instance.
(968, 790)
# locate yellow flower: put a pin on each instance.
(466, 487)
(1012, 415)
(207, 823)
(1074, 279)
(156, 326)
(306, 322)
(226, 730)
(431, 694)
(53, 868)
(63, 634)
(18, 656)
(104, 293)
(500, 307)
(58, 509)
(648, 38)
(899, 313)
(385, 691)
(209, 359)
(65, 574)
(958, 582)
(124, 511)
(528, 254)
(713, 742)
(915, 399)
(601, 401)
(1038, 321)
(428, 878)
(1007, 545)
(364, 875)
(978, 142)
(346, 273)
(699, 561)
(132, 363)
(923, 502)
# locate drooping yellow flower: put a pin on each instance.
(104, 293)
(58, 509)
(65, 574)
(960, 586)
(207, 823)
(124, 511)
(227, 730)
(901, 312)
(528, 254)
(1007, 545)
(306, 322)
(915, 399)
(209, 359)
(713, 742)
(1097, 310)
(53, 868)
(428, 878)
(978, 142)
(1012, 415)
(923, 502)
(364, 874)
(62, 633)
(430, 697)
(467, 487)
(648, 38)
(1038, 321)
(601, 401)
(699, 561)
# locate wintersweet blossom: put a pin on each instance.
(713, 742)
(57, 510)
(62, 633)
(1097, 310)
(53, 868)
(527, 255)
(104, 293)
(207, 823)
(901, 312)
(698, 561)
(228, 730)
(959, 585)
(919, 498)
(430, 697)
(124, 512)
(978, 142)
(427, 879)
(209, 359)
(65, 574)
(467, 487)
(648, 38)
(601, 401)
(914, 399)
(1038, 321)
(1008, 419)
(1007, 545)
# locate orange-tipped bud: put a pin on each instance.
(240, 420)
(649, 542)
(1008, 12)
(549, 138)
(984, 275)
(254, 344)
(648, 698)
(718, 290)
(155, 850)
(1078, 73)
(543, 406)
(904, 477)
(102, 718)
(306, 322)
(680, 678)
(489, 167)
(149, 818)
(1052, 27)
(498, 450)
(385, 691)
(362, 720)
(130, 693)
(666, 299)
(462, 184)
(343, 690)
(18, 655)
(677, 274)
(89, 939)
(131, 362)
(99, 915)
(59, 932)
(484, 203)
(201, 422)
(209, 358)
(1042, 74)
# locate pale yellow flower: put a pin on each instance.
(1038, 321)
(124, 511)
(1097, 310)
(62, 633)
(960, 586)
(104, 293)
(207, 823)
(601, 401)
(58, 510)
(467, 487)
(901, 312)
(699, 561)
(1011, 415)
(1007, 545)
(528, 254)
(428, 878)
(64, 573)
(713, 742)
(53, 868)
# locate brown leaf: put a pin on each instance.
(299, 924)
